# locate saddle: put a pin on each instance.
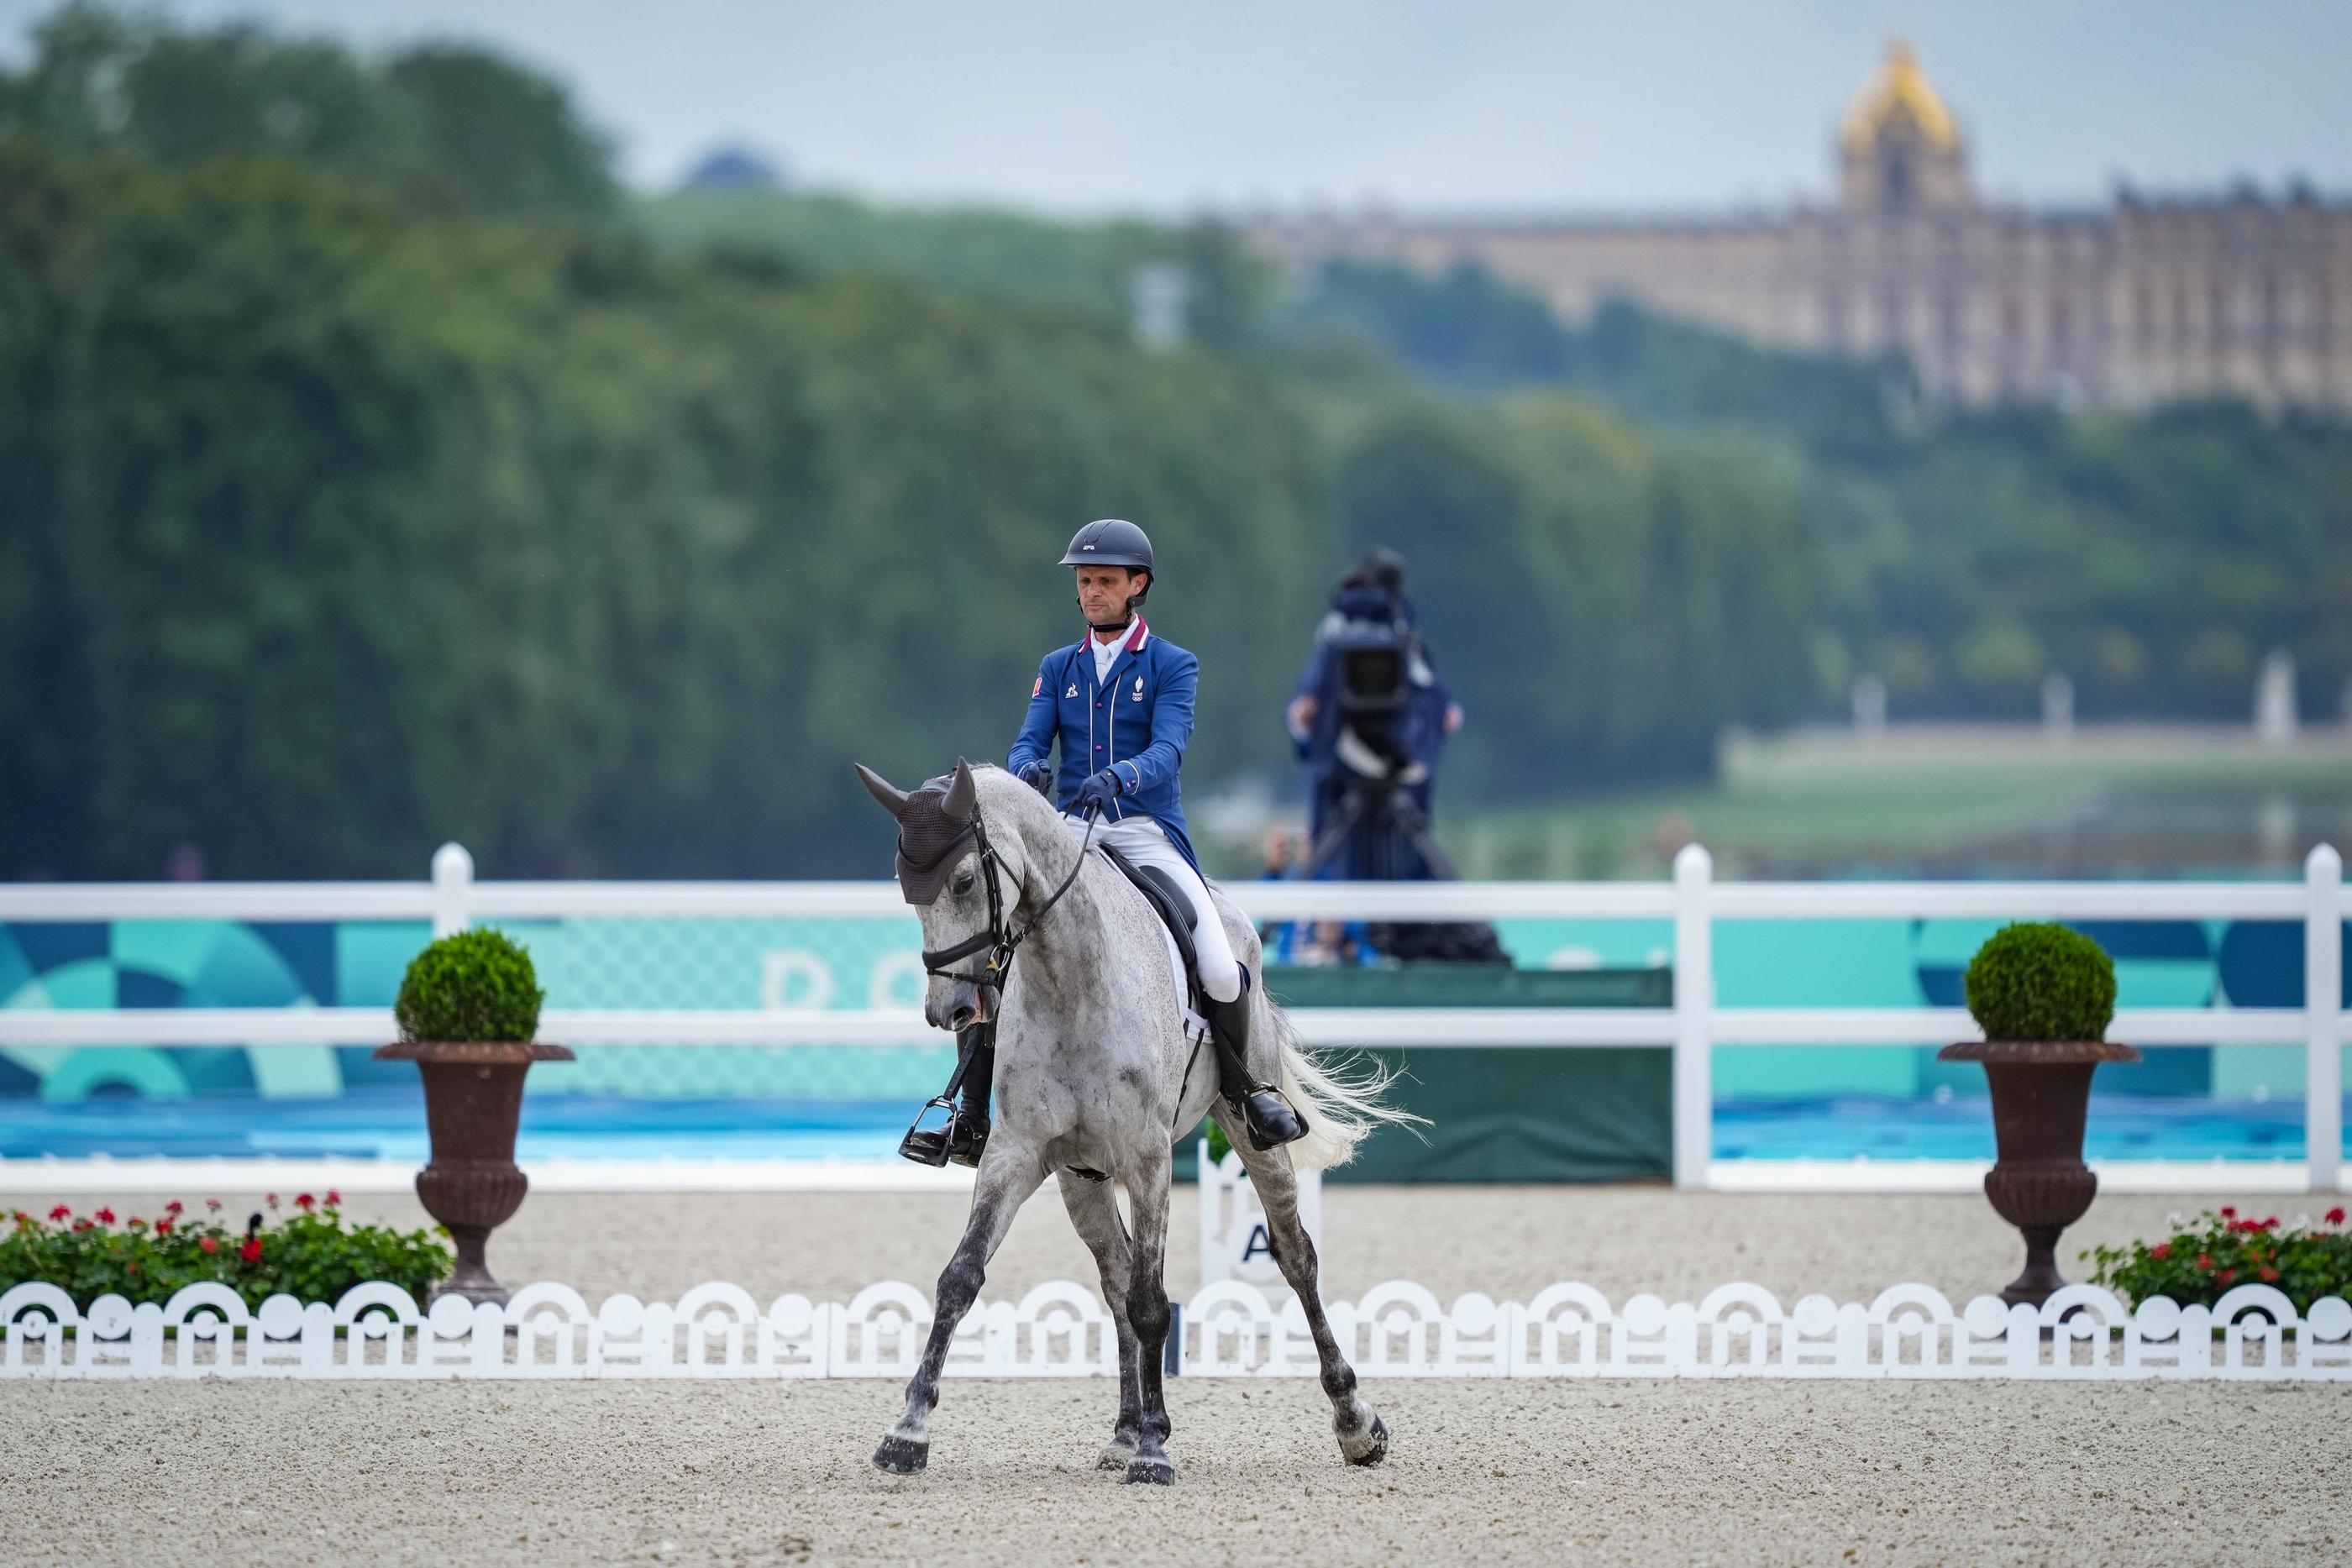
(1175, 912)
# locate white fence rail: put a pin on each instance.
(1691, 1028)
(1227, 1330)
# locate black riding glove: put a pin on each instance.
(1098, 791)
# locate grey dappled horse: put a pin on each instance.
(1094, 1077)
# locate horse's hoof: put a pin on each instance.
(1158, 1472)
(901, 1456)
(1115, 1456)
(1367, 1448)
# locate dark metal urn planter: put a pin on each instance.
(2041, 1097)
(473, 1102)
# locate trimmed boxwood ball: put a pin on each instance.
(2041, 981)
(470, 986)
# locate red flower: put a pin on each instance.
(212, 1203)
(2270, 1273)
(2270, 1224)
(2336, 1216)
(333, 1197)
(61, 1212)
(162, 1227)
(304, 1202)
(2228, 1210)
(81, 1225)
(136, 1223)
(2204, 1262)
(105, 1216)
(208, 1244)
(2161, 1249)
(2227, 1275)
(173, 1207)
(273, 1200)
(133, 1268)
(251, 1250)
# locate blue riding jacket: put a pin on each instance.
(1134, 722)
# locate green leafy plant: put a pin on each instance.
(2039, 981)
(310, 1255)
(469, 986)
(1219, 1145)
(2202, 1263)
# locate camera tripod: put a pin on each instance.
(1390, 823)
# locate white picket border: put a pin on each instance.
(1228, 1330)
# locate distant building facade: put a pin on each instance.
(2141, 302)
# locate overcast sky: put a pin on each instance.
(1185, 104)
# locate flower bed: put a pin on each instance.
(2197, 1264)
(310, 1254)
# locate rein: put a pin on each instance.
(1002, 944)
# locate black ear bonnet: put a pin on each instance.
(932, 844)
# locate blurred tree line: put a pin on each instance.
(373, 471)
(334, 522)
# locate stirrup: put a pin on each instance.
(1274, 1137)
(928, 1147)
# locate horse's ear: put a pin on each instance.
(962, 794)
(892, 800)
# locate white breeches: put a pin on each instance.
(1142, 840)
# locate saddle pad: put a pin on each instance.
(1196, 1028)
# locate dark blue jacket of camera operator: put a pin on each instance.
(1136, 723)
(1419, 729)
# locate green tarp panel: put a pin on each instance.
(1507, 1113)
(1470, 985)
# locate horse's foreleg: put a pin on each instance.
(1363, 1436)
(1147, 1307)
(1095, 1212)
(1007, 1178)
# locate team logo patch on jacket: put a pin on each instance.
(1036, 686)
(1138, 689)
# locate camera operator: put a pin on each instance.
(1369, 718)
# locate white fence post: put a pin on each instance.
(2323, 1005)
(1694, 1126)
(453, 888)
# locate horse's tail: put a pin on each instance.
(1340, 1106)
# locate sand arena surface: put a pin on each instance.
(1516, 1471)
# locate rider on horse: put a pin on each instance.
(1119, 701)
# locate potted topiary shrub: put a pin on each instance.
(468, 1007)
(2044, 995)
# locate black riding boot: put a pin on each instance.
(1269, 1118)
(966, 1133)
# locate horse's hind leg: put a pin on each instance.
(1147, 1307)
(1006, 1179)
(1363, 1436)
(1095, 1212)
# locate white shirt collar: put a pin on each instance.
(1107, 654)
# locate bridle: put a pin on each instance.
(1000, 941)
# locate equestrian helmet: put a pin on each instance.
(1109, 542)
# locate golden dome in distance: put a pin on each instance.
(1898, 88)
